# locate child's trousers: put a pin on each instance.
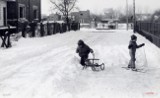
(83, 59)
(132, 60)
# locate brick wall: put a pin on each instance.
(32, 7)
(28, 7)
(81, 16)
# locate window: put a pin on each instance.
(81, 20)
(35, 14)
(81, 14)
(21, 11)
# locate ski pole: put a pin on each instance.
(93, 57)
(146, 63)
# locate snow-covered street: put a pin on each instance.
(48, 67)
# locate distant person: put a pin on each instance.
(132, 51)
(83, 50)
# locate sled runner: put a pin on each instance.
(94, 66)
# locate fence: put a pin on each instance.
(150, 30)
(47, 28)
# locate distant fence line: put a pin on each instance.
(46, 28)
(150, 30)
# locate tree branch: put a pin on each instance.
(61, 10)
(72, 6)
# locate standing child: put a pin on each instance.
(83, 51)
(132, 51)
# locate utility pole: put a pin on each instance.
(29, 10)
(127, 14)
(134, 16)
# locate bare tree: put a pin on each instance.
(155, 17)
(112, 13)
(109, 13)
(130, 11)
(64, 7)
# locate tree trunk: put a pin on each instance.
(68, 24)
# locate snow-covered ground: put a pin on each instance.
(48, 67)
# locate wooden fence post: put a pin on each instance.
(42, 29)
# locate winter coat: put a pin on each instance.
(84, 50)
(133, 46)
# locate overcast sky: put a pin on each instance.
(98, 6)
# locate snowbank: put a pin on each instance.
(48, 67)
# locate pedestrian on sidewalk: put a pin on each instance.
(83, 50)
(132, 51)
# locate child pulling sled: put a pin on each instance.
(83, 50)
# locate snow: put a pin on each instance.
(48, 67)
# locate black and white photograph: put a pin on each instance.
(79, 49)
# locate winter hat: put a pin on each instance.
(133, 37)
(80, 42)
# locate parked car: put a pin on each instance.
(107, 24)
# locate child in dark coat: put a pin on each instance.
(132, 51)
(83, 50)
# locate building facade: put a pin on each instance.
(142, 17)
(54, 17)
(23, 9)
(3, 12)
(81, 16)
